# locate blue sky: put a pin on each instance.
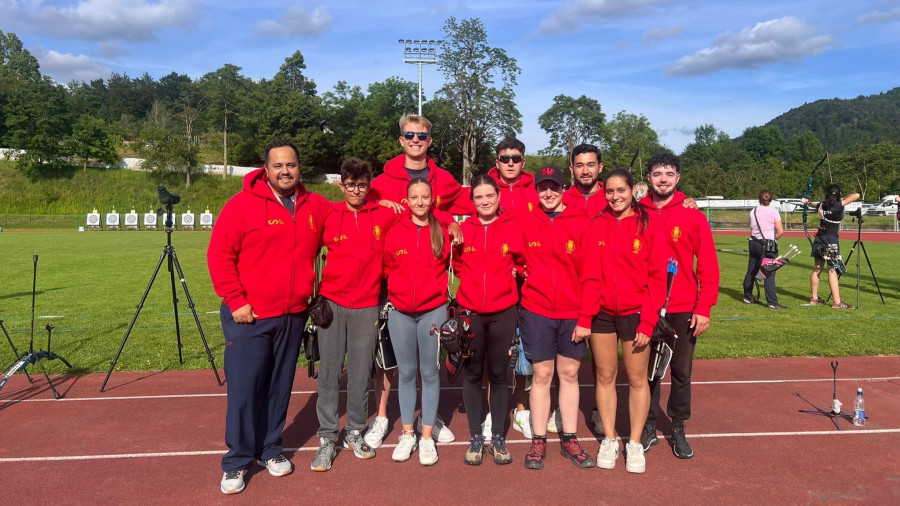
(731, 63)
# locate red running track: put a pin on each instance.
(156, 438)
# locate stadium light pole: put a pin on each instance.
(420, 52)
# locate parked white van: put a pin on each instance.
(887, 206)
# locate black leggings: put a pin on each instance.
(494, 333)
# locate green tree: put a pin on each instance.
(18, 68)
(164, 146)
(225, 88)
(91, 140)
(624, 135)
(570, 122)
(763, 142)
(472, 69)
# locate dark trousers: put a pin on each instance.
(260, 361)
(494, 333)
(679, 406)
(753, 265)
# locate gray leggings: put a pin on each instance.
(412, 338)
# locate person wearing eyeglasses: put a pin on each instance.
(351, 283)
(517, 195)
(389, 189)
(416, 256)
(587, 188)
(551, 298)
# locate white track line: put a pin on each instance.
(62, 458)
(310, 392)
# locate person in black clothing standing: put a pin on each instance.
(826, 244)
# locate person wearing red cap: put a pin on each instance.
(551, 298)
(616, 305)
(260, 258)
(686, 236)
(486, 264)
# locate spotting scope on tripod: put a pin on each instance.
(168, 254)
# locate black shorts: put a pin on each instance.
(826, 245)
(624, 327)
(544, 338)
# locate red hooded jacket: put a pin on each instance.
(517, 197)
(686, 235)
(591, 205)
(417, 281)
(553, 251)
(485, 261)
(355, 241)
(617, 271)
(261, 255)
(449, 195)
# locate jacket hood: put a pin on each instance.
(257, 183)
(526, 179)
(396, 168)
(677, 200)
(502, 217)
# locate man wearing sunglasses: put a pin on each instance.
(389, 188)
(516, 186)
(587, 188)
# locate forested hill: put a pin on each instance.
(841, 124)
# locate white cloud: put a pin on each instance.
(297, 21)
(64, 67)
(573, 13)
(784, 39)
(104, 20)
(655, 35)
(878, 17)
(111, 50)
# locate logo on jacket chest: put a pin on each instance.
(377, 232)
(570, 246)
(601, 243)
(342, 237)
(676, 234)
(276, 222)
(504, 250)
(469, 249)
(637, 245)
(401, 252)
(534, 244)
(312, 225)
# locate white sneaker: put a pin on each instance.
(277, 466)
(233, 482)
(486, 427)
(376, 432)
(634, 458)
(609, 452)
(522, 422)
(427, 452)
(598, 423)
(441, 432)
(405, 446)
(554, 424)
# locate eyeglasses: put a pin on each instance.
(511, 158)
(352, 187)
(423, 136)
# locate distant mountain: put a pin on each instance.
(840, 124)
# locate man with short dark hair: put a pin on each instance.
(587, 188)
(687, 236)
(517, 192)
(260, 258)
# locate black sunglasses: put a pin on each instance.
(511, 158)
(423, 136)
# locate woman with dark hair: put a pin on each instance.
(487, 265)
(416, 253)
(826, 245)
(616, 306)
(765, 224)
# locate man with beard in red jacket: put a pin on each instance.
(260, 258)
(687, 236)
(587, 189)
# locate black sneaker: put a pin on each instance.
(749, 299)
(776, 306)
(572, 451)
(535, 457)
(680, 446)
(648, 437)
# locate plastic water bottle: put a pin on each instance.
(859, 409)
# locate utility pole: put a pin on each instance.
(420, 52)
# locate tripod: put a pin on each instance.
(173, 265)
(835, 414)
(858, 244)
(33, 357)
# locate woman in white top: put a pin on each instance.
(765, 223)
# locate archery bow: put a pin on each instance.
(807, 194)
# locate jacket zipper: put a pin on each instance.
(484, 283)
(415, 278)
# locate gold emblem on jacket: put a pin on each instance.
(676, 234)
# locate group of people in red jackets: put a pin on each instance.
(568, 271)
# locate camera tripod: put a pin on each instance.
(32, 357)
(859, 245)
(173, 265)
(835, 414)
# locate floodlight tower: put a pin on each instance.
(420, 52)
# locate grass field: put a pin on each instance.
(88, 286)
